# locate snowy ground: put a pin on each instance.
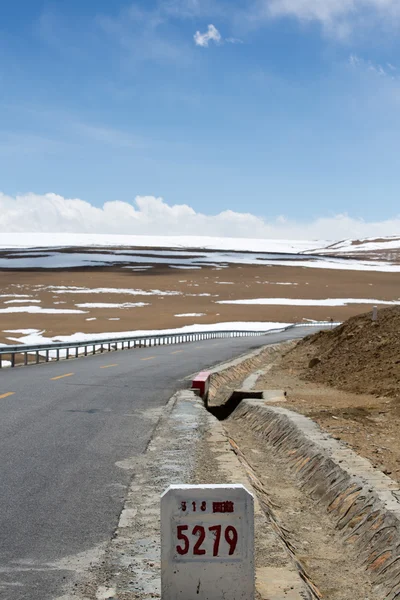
(75, 240)
(142, 253)
(309, 301)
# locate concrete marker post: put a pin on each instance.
(207, 543)
(375, 313)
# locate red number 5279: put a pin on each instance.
(230, 536)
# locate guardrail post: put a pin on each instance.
(67, 354)
(37, 357)
(77, 352)
(47, 356)
(58, 354)
(25, 358)
(94, 349)
(85, 351)
(13, 359)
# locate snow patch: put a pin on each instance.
(191, 315)
(62, 289)
(24, 331)
(14, 296)
(183, 267)
(21, 301)
(40, 309)
(112, 305)
(307, 302)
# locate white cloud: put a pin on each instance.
(153, 216)
(203, 39)
(340, 17)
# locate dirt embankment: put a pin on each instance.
(361, 356)
(353, 389)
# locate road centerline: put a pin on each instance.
(177, 352)
(109, 366)
(61, 376)
(6, 395)
(149, 358)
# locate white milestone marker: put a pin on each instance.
(207, 543)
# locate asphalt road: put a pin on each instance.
(66, 429)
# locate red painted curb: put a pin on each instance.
(201, 382)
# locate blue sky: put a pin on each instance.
(291, 108)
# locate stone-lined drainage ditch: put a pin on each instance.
(315, 480)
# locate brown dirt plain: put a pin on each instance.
(245, 281)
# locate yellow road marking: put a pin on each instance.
(7, 394)
(150, 358)
(61, 376)
(109, 366)
(177, 352)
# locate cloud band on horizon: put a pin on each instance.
(149, 215)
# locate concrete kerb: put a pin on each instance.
(362, 501)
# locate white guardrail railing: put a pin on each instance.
(65, 350)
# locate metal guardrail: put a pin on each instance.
(66, 350)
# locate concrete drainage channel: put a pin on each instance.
(361, 502)
(336, 515)
(326, 522)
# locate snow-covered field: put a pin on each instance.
(363, 245)
(78, 240)
(66, 251)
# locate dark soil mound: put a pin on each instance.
(360, 356)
